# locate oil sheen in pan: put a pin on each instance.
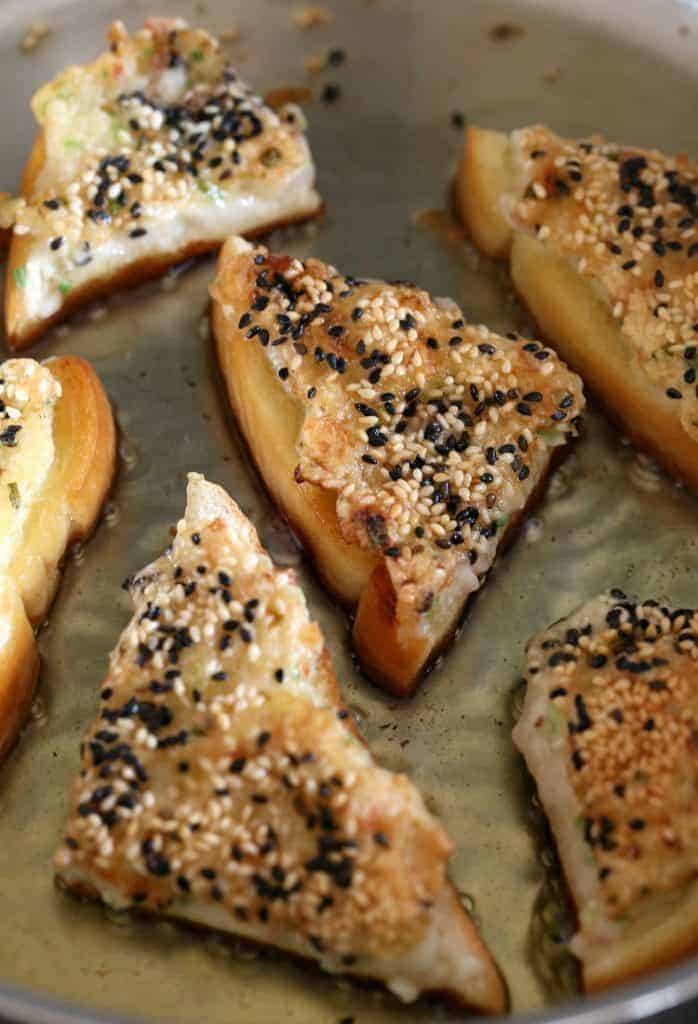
(385, 149)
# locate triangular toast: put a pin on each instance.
(603, 244)
(152, 153)
(608, 732)
(57, 461)
(224, 783)
(401, 444)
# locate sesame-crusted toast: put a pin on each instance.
(603, 247)
(608, 732)
(400, 443)
(224, 783)
(152, 153)
(57, 461)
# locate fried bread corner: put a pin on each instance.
(57, 462)
(608, 732)
(152, 153)
(603, 247)
(401, 444)
(223, 782)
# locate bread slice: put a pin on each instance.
(603, 244)
(224, 783)
(609, 732)
(57, 461)
(401, 444)
(152, 153)
(19, 665)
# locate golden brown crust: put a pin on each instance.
(491, 996)
(19, 666)
(222, 783)
(549, 287)
(608, 733)
(646, 958)
(310, 511)
(76, 488)
(389, 555)
(481, 181)
(22, 332)
(620, 309)
(90, 223)
(64, 509)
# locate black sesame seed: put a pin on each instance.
(673, 393)
(331, 93)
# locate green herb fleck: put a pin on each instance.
(14, 494)
(212, 192)
(555, 723)
(19, 276)
(117, 124)
(71, 143)
(64, 288)
(196, 55)
(553, 438)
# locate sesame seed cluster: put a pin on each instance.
(160, 119)
(223, 769)
(628, 219)
(25, 387)
(432, 432)
(622, 684)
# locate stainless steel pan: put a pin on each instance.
(385, 151)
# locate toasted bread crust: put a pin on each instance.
(386, 661)
(489, 995)
(599, 352)
(351, 548)
(22, 331)
(64, 510)
(607, 733)
(574, 312)
(481, 182)
(19, 666)
(267, 729)
(90, 224)
(309, 511)
(77, 486)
